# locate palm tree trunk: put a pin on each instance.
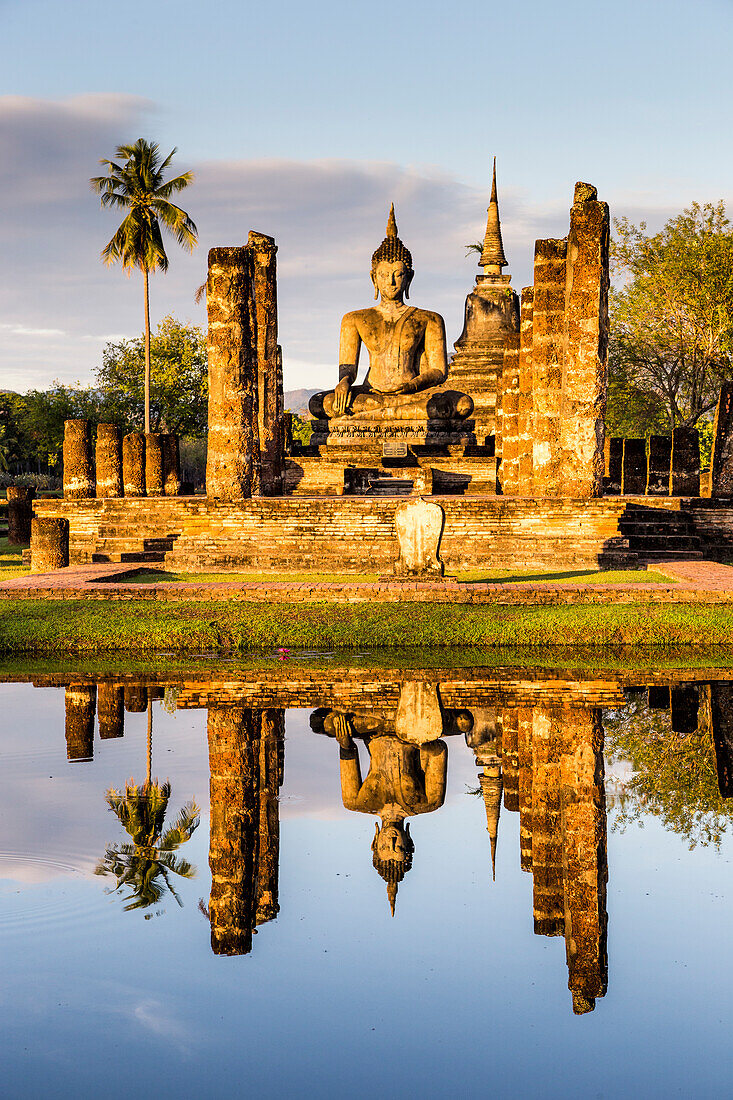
(147, 351)
(150, 742)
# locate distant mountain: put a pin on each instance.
(296, 401)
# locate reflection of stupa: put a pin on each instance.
(246, 762)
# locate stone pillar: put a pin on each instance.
(684, 706)
(509, 718)
(80, 700)
(109, 461)
(721, 462)
(49, 545)
(234, 762)
(584, 859)
(546, 839)
(233, 451)
(584, 377)
(133, 464)
(548, 329)
(136, 698)
(633, 468)
(270, 400)
(20, 514)
(524, 766)
(154, 472)
(78, 469)
(660, 461)
(271, 744)
(684, 478)
(614, 449)
(525, 427)
(171, 465)
(110, 710)
(509, 417)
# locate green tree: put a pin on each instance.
(302, 430)
(137, 185)
(672, 320)
(39, 417)
(178, 399)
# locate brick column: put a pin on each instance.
(133, 464)
(660, 459)
(721, 462)
(548, 330)
(234, 761)
(80, 700)
(110, 710)
(684, 477)
(233, 450)
(508, 420)
(109, 461)
(271, 402)
(584, 860)
(633, 468)
(20, 514)
(171, 465)
(49, 545)
(78, 468)
(154, 473)
(525, 427)
(614, 451)
(584, 378)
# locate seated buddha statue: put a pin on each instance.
(407, 352)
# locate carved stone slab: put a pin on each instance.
(419, 524)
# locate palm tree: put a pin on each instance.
(136, 184)
(145, 866)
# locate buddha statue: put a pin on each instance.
(407, 354)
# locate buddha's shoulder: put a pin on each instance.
(428, 316)
(357, 316)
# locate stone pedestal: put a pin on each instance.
(633, 470)
(154, 472)
(270, 403)
(80, 700)
(110, 710)
(78, 468)
(109, 461)
(233, 449)
(721, 463)
(171, 465)
(684, 479)
(20, 514)
(49, 545)
(660, 460)
(419, 525)
(133, 464)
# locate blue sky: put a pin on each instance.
(305, 121)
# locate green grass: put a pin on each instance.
(10, 561)
(582, 576)
(147, 626)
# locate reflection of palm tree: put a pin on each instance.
(145, 866)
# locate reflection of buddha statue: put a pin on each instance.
(407, 355)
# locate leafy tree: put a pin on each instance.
(302, 430)
(672, 321)
(137, 185)
(178, 400)
(39, 415)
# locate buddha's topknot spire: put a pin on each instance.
(392, 248)
(492, 257)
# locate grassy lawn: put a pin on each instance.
(506, 576)
(148, 626)
(10, 561)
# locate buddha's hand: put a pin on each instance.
(409, 387)
(342, 731)
(341, 397)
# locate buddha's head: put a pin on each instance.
(392, 850)
(392, 269)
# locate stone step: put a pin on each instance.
(671, 543)
(131, 556)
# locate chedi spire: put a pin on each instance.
(492, 257)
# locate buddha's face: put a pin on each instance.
(391, 843)
(392, 280)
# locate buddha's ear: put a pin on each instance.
(408, 282)
(376, 288)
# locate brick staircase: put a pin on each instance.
(656, 534)
(714, 525)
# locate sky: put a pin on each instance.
(305, 121)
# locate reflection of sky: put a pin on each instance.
(454, 996)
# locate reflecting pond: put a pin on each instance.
(325, 875)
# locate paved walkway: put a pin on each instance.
(696, 582)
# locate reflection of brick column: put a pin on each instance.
(508, 418)
(509, 718)
(234, 751)
(524, 427)
(110, 710)
(271, 745)
(546, 841)
(78, 469)
(136, 698)
(133, 464)
(585, 867)
(80, 700)
(109, 460)
(524, 763)
(583, 405)
(717, 708)
(548, 324)
(233, 446)
(269, 364)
